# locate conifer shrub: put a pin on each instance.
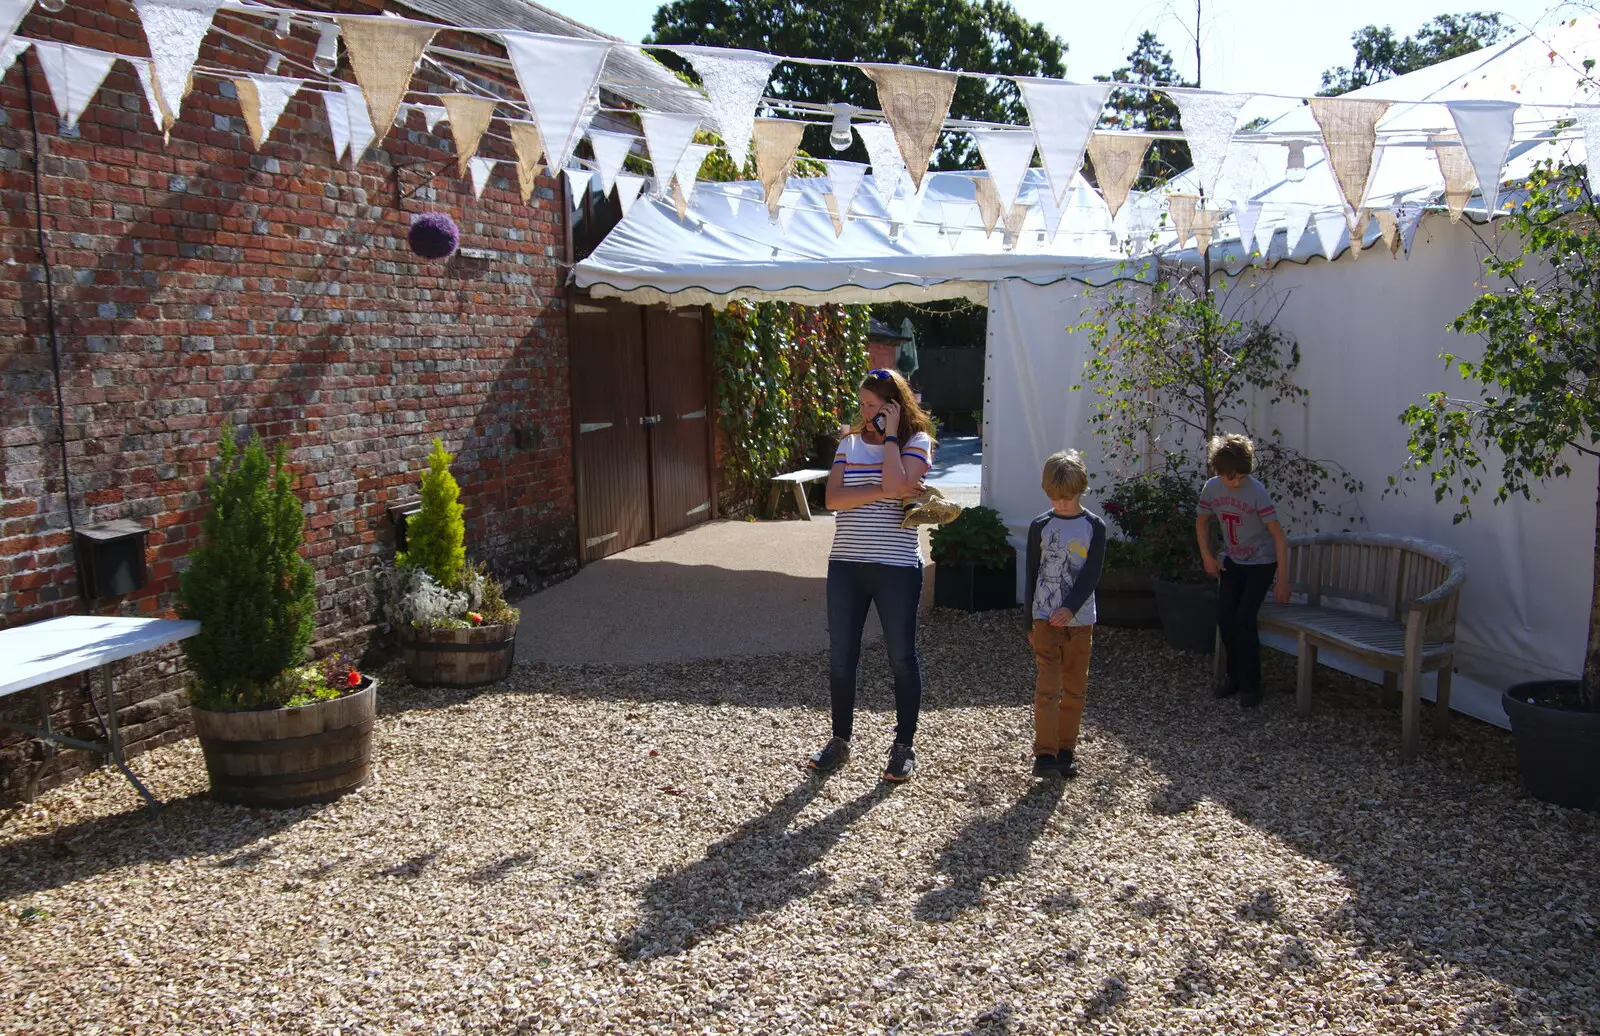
(436, 536)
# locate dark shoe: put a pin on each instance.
(902, 760)
(1249, 699)
(833, 755)
(1045, 766)
(1067, 764)
(1225, 689)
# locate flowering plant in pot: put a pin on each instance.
(253, 699)
(1538, 415)
(1153, 516)
(455, 626)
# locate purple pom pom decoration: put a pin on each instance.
(434, 235)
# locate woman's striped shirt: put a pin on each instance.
(872, 532)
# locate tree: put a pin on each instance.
(1538, 413)
(1150, 64)
(436, 536)
(966, 35)
(1380, 56)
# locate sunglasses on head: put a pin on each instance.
(879, 373)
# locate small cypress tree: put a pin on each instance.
(247, 582)
(436, 537)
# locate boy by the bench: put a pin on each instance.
(1252, 543)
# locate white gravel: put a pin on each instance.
(634, 849)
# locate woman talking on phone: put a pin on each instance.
(874, 561)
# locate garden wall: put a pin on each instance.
(200, 282)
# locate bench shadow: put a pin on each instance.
(758, 868)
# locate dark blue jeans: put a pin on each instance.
(1240, 593)
(896, 590)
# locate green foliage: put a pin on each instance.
(1538, 407)
(246, 582)
(976, 537)
(1150, 64)
(784, 374)
(1380, 55)
(973, 35)
(436, 536)
(1155, 514)
(1174, 364)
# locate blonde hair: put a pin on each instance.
(895, 389)
(1231, 454)
(1064, 475)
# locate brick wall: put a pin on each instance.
(200, 281)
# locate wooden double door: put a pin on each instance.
(641, 406)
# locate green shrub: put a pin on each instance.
(436, 536)
(976, 537)
(246, 582)
(1155, 514)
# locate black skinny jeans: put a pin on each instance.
(1240, 593)
(897, 591)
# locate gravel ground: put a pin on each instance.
(633, 848)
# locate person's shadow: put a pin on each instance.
(987, 848)
(760, 867)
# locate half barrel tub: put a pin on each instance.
(278, 758)
(459, 658)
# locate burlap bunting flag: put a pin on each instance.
(1358, 233)
(776, 141)
(263, 99)
(1456, 169)
(384, 52)
(1389, 227)
(989, 209)
(1182, 209)
(529, 146)
(1017, 215)
(1349, 136)
(915, 101)
(1204, 228)
(834, 213)
(469, 117)
(1117, 159)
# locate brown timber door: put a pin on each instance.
(642, 416)
(609, 400)
(679, 417)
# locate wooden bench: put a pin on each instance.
(1389, 602)
(798, 480)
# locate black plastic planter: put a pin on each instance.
(1558, 750)
(974, 588)
(1124, 600)
(1188, 614)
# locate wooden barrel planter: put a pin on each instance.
(278, 758)
(459, 658)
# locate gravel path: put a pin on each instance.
(633, 849)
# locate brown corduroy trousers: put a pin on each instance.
(1061, 654)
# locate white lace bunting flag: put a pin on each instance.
(1409, 215)
(688, 171)
(735, 81)
(173, 29)
(1208, 123)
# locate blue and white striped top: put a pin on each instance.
(872, 532)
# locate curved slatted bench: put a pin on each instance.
(1389, 602)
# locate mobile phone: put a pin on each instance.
(880, 423)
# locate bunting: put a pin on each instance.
(776, 141)
(338, 121)
(1063, 115)
(173, 30)
(12, 48)
(915, 101)
(1248, 213)
(1182, 209)
(1486, 129)
(480, 168)
(735, 81)
(835, 213)
(787, 200)
(362, 131)
(845, 179)
(577, 185)
(1117, 160)
(1015, 217)
(432, 115)
(263, 99)
(152, 95)
(610, 151)
(1349, 136)
(1389, 229)
(528, 143)
(1358, 233)
(469, 118)
(888, 168)
(1051, 209)
(1456, 169)
(74, 75)
(1588, 120)
(688, 171)
(1007, 153)
(11, 15)
(1266, 230)
(988, 200)
(1409, 215)
(1208, 124)
(383, 54)
(1205, 227)
(1296, 220)
(1329, 226)
(628, 187)
(558, 76)
(666, 135)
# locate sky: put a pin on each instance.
(1247, 46)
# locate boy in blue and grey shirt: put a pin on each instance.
(1066, 551)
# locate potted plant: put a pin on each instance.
(1153, 516)
(1175, 362)
(455, 626)
(1538, 416)
(976, 564)
(274, 731)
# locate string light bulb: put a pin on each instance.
(273, 61)
(841, 136)
(53, 6)
(285, 24)
(326, 59)
(1297, 161)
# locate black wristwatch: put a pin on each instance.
(891, 438)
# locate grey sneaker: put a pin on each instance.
(902, 760)
(831, 756)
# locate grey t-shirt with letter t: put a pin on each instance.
(1243, 514)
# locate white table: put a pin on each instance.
(35, 654)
